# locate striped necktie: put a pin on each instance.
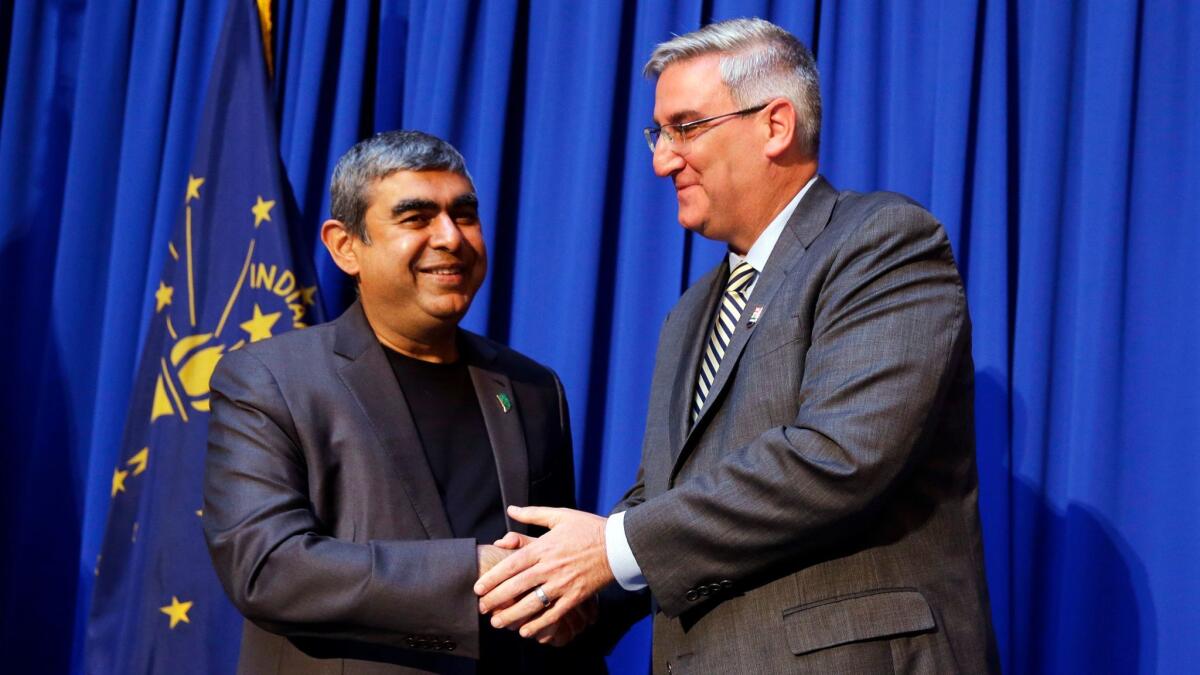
(732, 304)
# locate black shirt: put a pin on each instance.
(450, 425)
(446, 411)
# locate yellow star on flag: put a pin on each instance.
(193, 191)
(262, 210)
(177, 611)
(308, 295)
(259, 327)
(118, 482)
(162, 297)
(139, 461)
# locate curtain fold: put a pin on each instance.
(1059, 143)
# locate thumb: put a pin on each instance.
(536, 515)
(512, 540)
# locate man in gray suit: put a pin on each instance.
(357, 471)
(807, 496)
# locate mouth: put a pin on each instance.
(450, 274)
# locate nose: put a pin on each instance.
(666, 161)
(444, 234)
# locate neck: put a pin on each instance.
(779, 187)
(439, 349)
(435, 343)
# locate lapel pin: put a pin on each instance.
(505, 402)
(754, 316)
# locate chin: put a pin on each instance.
(694, 225)
(449, 309)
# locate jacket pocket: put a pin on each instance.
(863, 616)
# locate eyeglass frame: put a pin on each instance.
(682, 128)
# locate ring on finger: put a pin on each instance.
(541, 595)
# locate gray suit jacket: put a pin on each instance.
(821, 515)
(324, 520)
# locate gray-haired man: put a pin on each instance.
(358, 470)
(806, 500)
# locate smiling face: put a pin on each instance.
(714, 170)
(425, 258)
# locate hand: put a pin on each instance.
(569, 562)
(575, 622)
(487, 556)
(514, 540)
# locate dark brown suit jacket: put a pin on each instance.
(322, 515)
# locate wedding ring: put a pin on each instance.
(541, 595)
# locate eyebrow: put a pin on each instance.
(467, 199)
(415, 204)
(680, 117)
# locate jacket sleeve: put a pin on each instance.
(278, 563)
(889, 331)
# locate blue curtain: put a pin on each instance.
(1059, 142)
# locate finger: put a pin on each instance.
(536, 515)
(552, 615)
(547, 634)
(573, 624)
(499, 607)
(513, 564)
(510, 591)
(558, 634)
(519, 613)
(512, 540)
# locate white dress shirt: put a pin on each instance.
(620, 557)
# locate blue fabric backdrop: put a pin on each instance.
(1059, 142)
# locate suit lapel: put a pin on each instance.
(498, 403)
(694, 310)
(372, 383)
(809, 219)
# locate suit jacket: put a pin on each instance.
(322, 514)
(821, 514)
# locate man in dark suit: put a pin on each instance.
(807, 496)
(358, 470)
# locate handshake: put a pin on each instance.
(545, 587)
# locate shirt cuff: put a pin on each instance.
(620, 557)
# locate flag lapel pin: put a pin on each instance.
(506, 403)
(754, 316)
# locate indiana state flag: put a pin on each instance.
(231, 277)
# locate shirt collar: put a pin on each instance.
(761, 250)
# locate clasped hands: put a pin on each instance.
(569, 564)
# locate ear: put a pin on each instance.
(341, 245)
(780, 128)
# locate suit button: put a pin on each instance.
(704, 590)
(727, 584)
(410, 641)
(670, 669)
(692, 595)
(450, 645)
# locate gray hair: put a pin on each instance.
(377, 158)
(760, 61)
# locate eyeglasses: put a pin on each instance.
(676, 134)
